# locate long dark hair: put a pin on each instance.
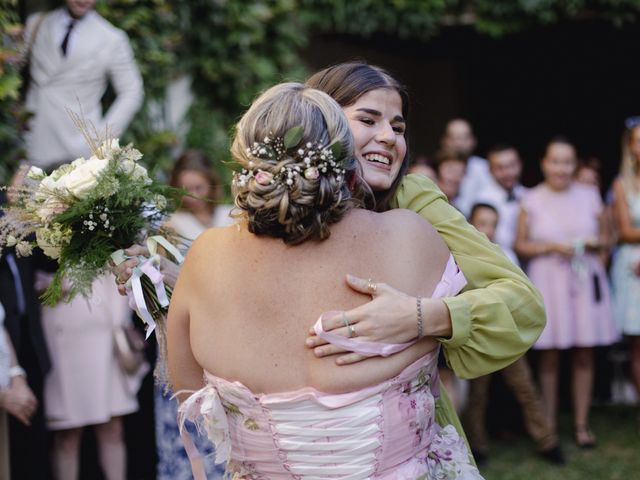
(346, 83)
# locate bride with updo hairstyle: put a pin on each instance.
(303, 203)
(242, 304)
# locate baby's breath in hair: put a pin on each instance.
(315, 158)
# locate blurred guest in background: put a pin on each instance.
(588, 171)
(560, 229)
(194, 173)
(73, 53)
(459, 138)
(504, 192)
(625, 270)
(16, 398)
(87, 385)
(422, 166)
(450, 172)
(24, 326)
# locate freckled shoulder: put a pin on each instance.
(207, 243)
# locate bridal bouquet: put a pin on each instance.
(84, 213)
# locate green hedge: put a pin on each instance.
(235, 48)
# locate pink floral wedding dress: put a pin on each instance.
(385, 431)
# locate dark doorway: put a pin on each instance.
(578, 79)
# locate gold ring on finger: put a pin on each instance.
(352, 331)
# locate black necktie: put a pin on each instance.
(511, 197)
(65, 41)
(17, 280)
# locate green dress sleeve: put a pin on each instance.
(499, 314)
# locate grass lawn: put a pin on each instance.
(617, 455)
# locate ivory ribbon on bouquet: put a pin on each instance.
(151, 268)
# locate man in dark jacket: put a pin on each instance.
(28, 444)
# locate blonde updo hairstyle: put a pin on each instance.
(305, 209)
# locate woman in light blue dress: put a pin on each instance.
(625, 271)
(194, 173)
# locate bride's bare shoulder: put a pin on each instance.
(401, 228)
(407, 224)
(210, 241)
(407, 229)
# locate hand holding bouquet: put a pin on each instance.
(85, 211)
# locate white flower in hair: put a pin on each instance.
(316, 159)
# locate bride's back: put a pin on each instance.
(251, 300)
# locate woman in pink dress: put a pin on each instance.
(242, 303)
(560, 230)
(86, 385)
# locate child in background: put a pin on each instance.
(517, 376)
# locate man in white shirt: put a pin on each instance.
(459, 137)
(74, 53)
(504, 192)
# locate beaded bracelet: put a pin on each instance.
(420, 325)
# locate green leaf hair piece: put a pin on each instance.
(336, 149)
(293, 136)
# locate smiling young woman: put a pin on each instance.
(499, 314)
(378, 128)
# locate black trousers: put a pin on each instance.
(29, 446)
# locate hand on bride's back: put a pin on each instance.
(389, 318)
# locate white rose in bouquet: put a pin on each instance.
(56, 182)
(81, 180)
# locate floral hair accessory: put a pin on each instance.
(317, 159)
(264, 178)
